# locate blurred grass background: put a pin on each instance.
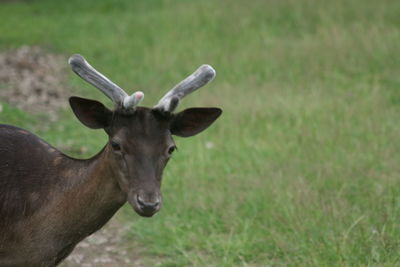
(303, 167)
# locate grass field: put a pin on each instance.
(304, 164)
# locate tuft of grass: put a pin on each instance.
(302, 169)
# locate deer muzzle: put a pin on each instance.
(145, 205)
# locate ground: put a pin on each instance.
(35, 80)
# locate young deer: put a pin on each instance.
(49, 201)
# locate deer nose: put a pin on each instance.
(148, 207)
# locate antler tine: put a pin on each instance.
(120, 99)
(197, 79)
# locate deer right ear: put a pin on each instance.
(91, 113)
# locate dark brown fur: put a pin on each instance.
(46, 209)
(49, 202)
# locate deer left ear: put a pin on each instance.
(91, 113)
(193, 121)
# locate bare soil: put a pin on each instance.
(34, 80)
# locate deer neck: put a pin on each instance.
(94, 194)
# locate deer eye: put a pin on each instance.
(115, 146)
(171, 149)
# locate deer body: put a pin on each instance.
(49, 201)
(40, 225)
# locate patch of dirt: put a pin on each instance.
(109, 247)
(34, 80)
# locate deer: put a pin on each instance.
(49, 201)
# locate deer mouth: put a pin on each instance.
(143, 207)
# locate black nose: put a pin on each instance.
(147, 207)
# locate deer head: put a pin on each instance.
(140, 139)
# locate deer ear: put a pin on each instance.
(91, 113)
(193, 121)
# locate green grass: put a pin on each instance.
(304, 170)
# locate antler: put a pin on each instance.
(120, 99)
(197, 79)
